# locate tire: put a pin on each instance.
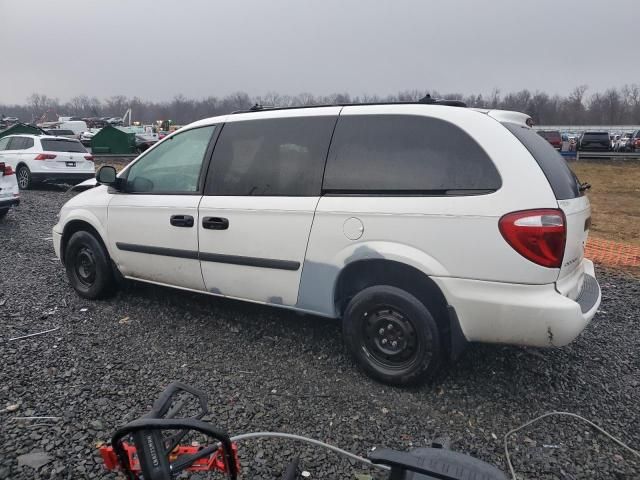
(380, 315)
(88, 266)
(23, 175)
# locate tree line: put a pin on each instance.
(614, 106)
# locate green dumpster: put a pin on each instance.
(22, 128)
(113, 140)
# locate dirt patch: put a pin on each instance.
(117, 162)
(614, 197)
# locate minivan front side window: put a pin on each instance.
(173, 166)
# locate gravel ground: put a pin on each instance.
(269, 369)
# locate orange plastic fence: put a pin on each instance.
(612, 254)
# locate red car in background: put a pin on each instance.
(553, 137)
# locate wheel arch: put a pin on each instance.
(77, 225)
(361, 274)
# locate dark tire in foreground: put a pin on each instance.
(23, 175)
(88, 266)
(392, 336)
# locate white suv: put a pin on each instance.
(422, 226)
(9, 193)
(46, 158)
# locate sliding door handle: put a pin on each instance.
(181, 221)
(215, 223)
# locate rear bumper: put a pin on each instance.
(8, 203)
(533, 315)
(62, 177)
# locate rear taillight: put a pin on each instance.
(6, 169)
(44, 156)
(88, 157)
(537, 235)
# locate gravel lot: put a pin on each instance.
(269, 369)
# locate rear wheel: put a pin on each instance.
(392, 335)
(88, 266)
(24, 177)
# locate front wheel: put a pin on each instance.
(392, 335)
(24, 177)
(88, 266)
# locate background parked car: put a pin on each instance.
(553, 137)
(594, 141)
(59, 132)
(613, 139)
(85, 137)
(633, 144)
(9, 193)
(46, 159)
(622, 143)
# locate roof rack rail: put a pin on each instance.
(428, 100)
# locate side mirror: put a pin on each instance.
(107, 176)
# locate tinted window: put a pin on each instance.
(173, 166)
(20, 143)
(406, 153)
(596, 136)
(279, 156)
(4, 142)
(563, 181)
(60, 132)
(62, 145)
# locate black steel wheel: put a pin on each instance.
(88, 266)
(392, 335)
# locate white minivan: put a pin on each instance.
(422, 226)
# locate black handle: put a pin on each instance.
(181, 220)
(154, 460)
(215, 223)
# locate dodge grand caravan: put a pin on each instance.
(421, 226)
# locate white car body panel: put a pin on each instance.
(259, 227)
(534, 315)
(144, 220)
(9, 192)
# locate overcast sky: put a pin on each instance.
(158, 49)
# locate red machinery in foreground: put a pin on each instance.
(153, 450)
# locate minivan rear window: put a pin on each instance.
(59, 145)
(563, 181)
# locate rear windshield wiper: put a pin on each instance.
(584, 187)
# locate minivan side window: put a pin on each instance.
(173, 166)
(271, 157)
(406, 154)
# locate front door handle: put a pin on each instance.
(181, 220)
(215, 223)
